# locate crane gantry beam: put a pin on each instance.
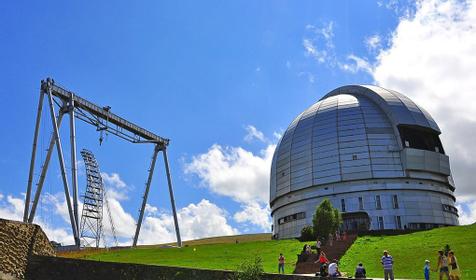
(104, 120)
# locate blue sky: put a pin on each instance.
(206, 75)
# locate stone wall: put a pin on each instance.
(53, 268)
(18, 242)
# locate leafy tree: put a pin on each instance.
(327, 219)
(307, 234)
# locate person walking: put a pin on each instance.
(387, 263)
(455, 273)
(281, 261)
(426, 270)
(318, 246)
(442, 265)
(330, 239)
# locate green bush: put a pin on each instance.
(307, 234)
(249, 270)
(327, 219)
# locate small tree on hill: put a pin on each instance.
(307, 234)
(327, 219)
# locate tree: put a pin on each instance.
(327, 219)
(307, 234)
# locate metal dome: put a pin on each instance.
(353, 132)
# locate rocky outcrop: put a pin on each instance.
(18, 242)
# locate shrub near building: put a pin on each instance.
(325, 220)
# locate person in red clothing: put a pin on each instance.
(322, 259)
(281, 261)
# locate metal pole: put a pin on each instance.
(59, 149)
(146, 194)
(33, 156)
(172, 200)
(44, 169)
(74, 165)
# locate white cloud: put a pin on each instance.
(319, 43)
(234, 172)
(356, 64)
(255, 214)
(467, 211)
(12, 209)
(253, 133)
(431, 59)
(373, 42)
(113, 180)
(399, 7)
(239, 174)
(151, 210)
(200, 220)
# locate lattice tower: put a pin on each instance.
(91, 217)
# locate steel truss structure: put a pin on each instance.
(103, 120)
(90, 230)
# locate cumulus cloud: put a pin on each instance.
(12, 208)
(255, 214)
(239, 174)
(234, 172)
(113, 180)
(203, 219)
(467, 211)
(431, 58)
(199, 220)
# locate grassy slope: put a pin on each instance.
(410, 251)
(213, 256)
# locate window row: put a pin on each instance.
(378, 203)
(293, 217)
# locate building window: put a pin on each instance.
(342, 202)
(378, 204)
(420, 139)
(361, 203)
(293, 217)
(451, 209)
(395, 201)
(380, 223)
(398, 222)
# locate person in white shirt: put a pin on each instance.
(318, 247)
(334, 269)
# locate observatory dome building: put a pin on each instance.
(373, 153)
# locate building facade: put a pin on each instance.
(373, 153)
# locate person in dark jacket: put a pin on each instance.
(360, 271)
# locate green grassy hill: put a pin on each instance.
(212, 256)
(411, 250)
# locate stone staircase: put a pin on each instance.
(306, 265)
